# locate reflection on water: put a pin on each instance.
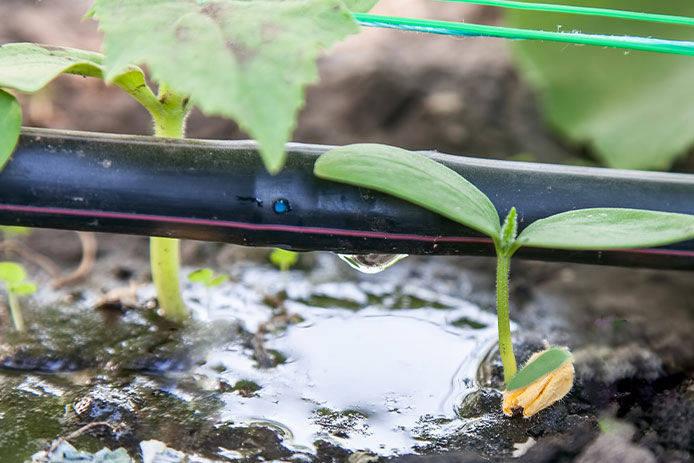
(364, 370)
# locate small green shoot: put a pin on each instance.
(283, 259)
(14, 277)
(420, 180)
(206, 277)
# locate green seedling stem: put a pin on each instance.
(508, 359)
(164, 253)
(16, 311)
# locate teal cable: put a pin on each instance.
(679, 47)
(571, 9)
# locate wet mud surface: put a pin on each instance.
(323, 363)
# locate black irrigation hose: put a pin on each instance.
(220, 191)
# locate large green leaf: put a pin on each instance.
(607, 228)
(634, 109)
(550, 360)
(10, 125)
(412, 177)
(246, 60)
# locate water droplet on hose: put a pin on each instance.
(371, 263)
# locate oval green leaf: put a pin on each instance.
(607, 228)
(550, 360)
(11, 272)
(29, 67)
(23, 288)
(10, 125)
(202, 275)
(414, 178)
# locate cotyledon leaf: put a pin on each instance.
(607, 228)
(249, 61)
(412, 177)
(29, 67)
(547, 362)
(10, 125)
(12, 272)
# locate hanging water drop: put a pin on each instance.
(371, 263)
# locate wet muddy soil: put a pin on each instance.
(323, 363)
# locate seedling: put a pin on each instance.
(427, 183)
(14, 277)
(206, 277)
(283, 259)
(249, 61)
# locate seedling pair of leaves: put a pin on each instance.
(429, 184)
(249, 61)
(13, 276)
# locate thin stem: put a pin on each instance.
(16, 311)
(503, 265)
(169, 121)
(165, 262)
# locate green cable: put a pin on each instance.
(680, 47)
(570, 9)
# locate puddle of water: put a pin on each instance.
(377, 362)
(366, 377)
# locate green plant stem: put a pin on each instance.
(16, 311)
(165, 262)
(503, 264)
(164, 253)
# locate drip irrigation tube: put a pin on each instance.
(220, 191)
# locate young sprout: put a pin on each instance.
(206, 277)
(14, 277)
(427, 183)
(283, 259)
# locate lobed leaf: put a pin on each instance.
(10, 125)
(414, 178)
(12, 272)
(608, 228)
(634, 109)
(249, 61)
(550, 360)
